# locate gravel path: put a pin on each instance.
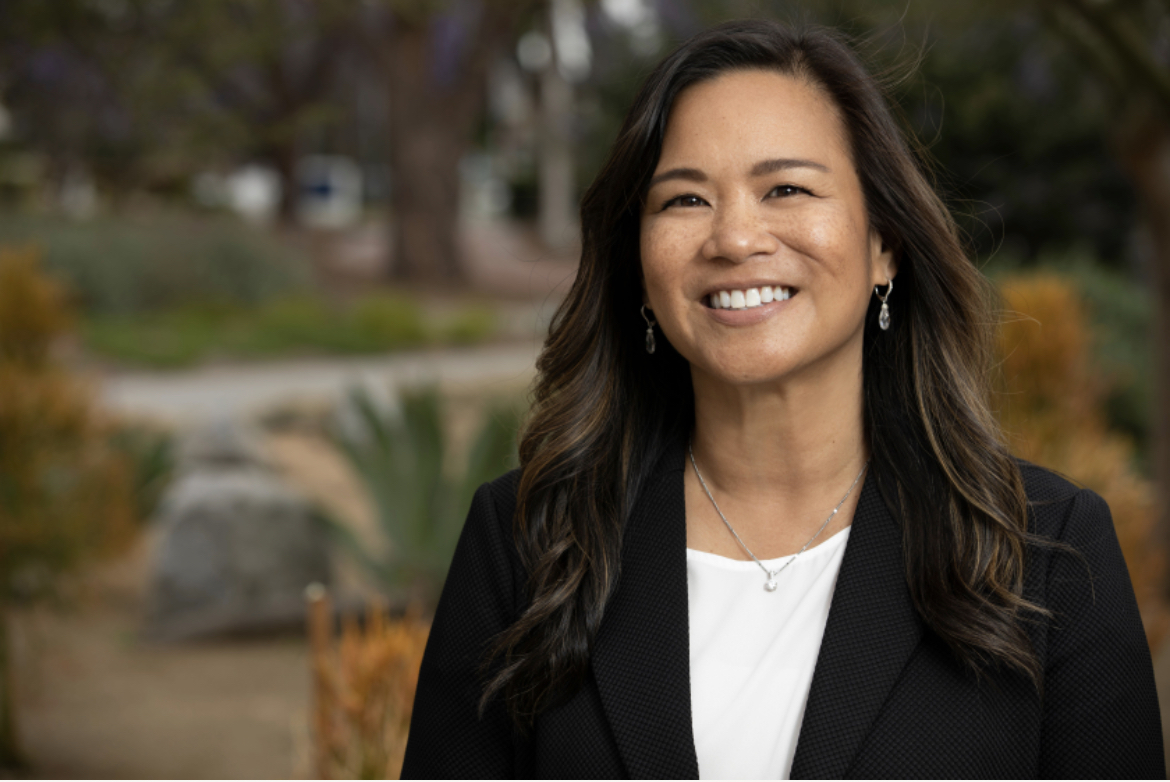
(190, 396)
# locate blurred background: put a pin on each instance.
(274, 274)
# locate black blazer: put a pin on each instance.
(887, 698)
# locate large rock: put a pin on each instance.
(235, 547)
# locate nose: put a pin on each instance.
(738, 232)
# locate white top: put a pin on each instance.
(752, 656)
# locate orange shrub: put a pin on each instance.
(1051, 404)
(64, 493)
(365, 694)
(33, 309)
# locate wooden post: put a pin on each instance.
(320, 629)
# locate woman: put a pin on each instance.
(765, 524)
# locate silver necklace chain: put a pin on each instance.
(771, 584)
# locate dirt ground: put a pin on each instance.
(93, 701)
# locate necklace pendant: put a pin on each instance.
(771, 585)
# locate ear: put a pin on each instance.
(883, 261)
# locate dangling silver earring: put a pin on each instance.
(649, 330)
(884, 315)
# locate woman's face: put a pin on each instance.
(755, 197)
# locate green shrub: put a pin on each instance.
(288, 325)
(150, 454)
(165, 339)
(472, 325)
(127, 265)
(387, 319)
(399, 457)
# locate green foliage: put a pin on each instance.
(126, 266)
(469, 326)
(1121, 312)
(400, 459)
(289, 325)
(388, 319)
(150, 453)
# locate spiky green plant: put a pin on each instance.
(399, 456)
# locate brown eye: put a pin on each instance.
(783, 191)
(684, 200)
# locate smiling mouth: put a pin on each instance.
(748, 298)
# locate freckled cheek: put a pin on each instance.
(833, 242)
(665, 254)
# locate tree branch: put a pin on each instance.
(1127, 45)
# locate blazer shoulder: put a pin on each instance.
(1044, 485)
(1054, 500)
(502, 492)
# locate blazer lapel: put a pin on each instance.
(871, 631)
(641, 658)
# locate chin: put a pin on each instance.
(748, 371)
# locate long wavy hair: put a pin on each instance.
(605, 412)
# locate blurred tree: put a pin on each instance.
(1126, 45)
(144, 94)
(435, 57)
(82, 89)
(64, 493)
(267, 68)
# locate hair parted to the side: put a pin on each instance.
(604, 411)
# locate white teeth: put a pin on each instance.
(746, 299)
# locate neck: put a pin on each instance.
(786, 442)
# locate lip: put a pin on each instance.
(747, 316)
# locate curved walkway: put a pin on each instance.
(231, 390)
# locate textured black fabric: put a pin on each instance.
(887, 698)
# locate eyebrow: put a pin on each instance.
(762, 168)
(689, 174)
(782, 164)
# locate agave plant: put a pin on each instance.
(399, 457)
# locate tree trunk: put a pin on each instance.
(429, 132)
(10, 755)
(558, 197)
(1146, 155)
(285, 158)
(436, 98)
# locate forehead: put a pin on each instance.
(753, 115)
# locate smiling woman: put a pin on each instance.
(765, 523)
